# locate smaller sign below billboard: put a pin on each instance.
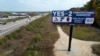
(62, 19)
(89, 20)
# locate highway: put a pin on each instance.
(12, 26)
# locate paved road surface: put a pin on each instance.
(12, 26)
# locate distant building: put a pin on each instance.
(19, 14)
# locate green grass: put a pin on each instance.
(11, 36)
(38, 38)
(84, 32)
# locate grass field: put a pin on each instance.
(86, 33)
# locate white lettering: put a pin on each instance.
(54, 13)
(58, 13)
(83, 14)
(62, 13)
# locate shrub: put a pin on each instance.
(96, 49)
(1, 42)
(29, 28)
(38, 38)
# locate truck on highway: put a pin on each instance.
(3, 22)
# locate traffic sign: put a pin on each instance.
(61, 16)
(82, 17)
(70, 17)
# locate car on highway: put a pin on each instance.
(3, 23)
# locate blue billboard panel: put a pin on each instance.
(83, 14)
(61, 16)
(72, 17)
(82, 17)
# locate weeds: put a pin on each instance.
(38, 38)
(96, 49)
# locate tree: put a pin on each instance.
(97, 2)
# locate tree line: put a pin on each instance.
(92, 5)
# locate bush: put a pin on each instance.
(4, 39)
(96, 49)
(29, 28)
(1, 42)
(31, 53)
(11, 36)
(38, 38)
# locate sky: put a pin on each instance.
(40, 5)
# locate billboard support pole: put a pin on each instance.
(70, 37)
